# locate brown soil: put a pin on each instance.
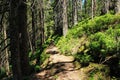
(59, 67)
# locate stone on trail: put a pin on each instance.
(60, 58)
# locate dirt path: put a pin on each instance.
(60, 67)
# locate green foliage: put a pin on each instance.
(103, 38)
(51, 40)
(64, 44)
(43, 57)
(104, 44)
(98, 72)
(34, 57)
(37, 68)
(83, 58)
(97, 75)
(101, 24)
(101, 42)
(2, 72)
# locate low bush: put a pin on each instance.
(103, 39)
(99, 26)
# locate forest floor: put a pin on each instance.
(59, 67)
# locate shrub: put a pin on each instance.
(103, 34)
(83, 58)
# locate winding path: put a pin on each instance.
(59, 67)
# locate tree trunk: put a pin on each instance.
(14, 41)
(118, 6)
(22, 24)
(64, 16)
(93, 8)
(107, 6)
(41, 16)
(19, 39)
(58, 18)
(75, 11)
(41, 22)
(33, 26)
(85, 4)
(6, 50)
(80, 6)
(61, 23)
(41, 28)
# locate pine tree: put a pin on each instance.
(75, 12)
(118, 6)
(19, 39)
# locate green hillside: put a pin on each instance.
(96, 40)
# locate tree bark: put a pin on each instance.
(58, 17)
(22, 24)
(33, 27)
(118, 6)
(61, 23)
(64, 16)
(80, 10)
(19, 39)
(6, 50)
(107, 2)
(14, 41)
(41, 16)
(85, 4)
(41, 28)
(93, 8)
(75, 11)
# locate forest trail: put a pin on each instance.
(59, 67)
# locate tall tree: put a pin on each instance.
(118, 6)
(33, 41)
(19, 38)
(58, 17)
(105, 7)
(93, 8)
(107, 2)
(85, 6)
(75, 12)
(41, 18)
(14, 41)
(5, 24)
(64, 16)
(40, 32)
(61, 23)
(48, 18)
(80, 8)
(22, 24)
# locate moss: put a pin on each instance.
(77, 65)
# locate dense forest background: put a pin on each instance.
(87, 30)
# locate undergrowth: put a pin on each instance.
(100, 26)
(102, 42)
